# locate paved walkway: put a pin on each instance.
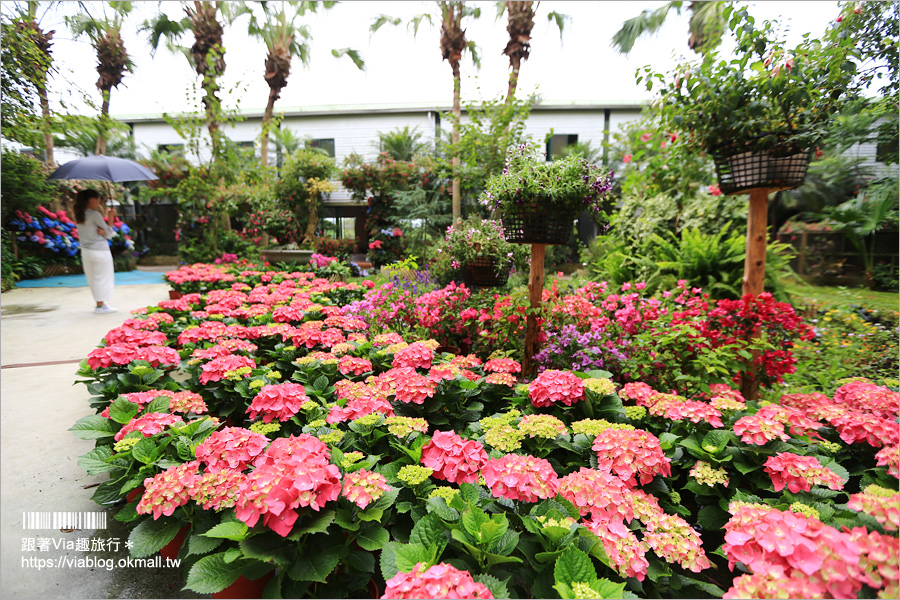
(45, 333)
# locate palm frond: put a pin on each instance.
(384, 20)
(559, 20)
(646, 23)
(352, 55)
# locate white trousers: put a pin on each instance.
(98, 268)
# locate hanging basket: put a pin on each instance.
(483, 271)
(741, 169)
(540, 223)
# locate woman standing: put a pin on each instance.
(93, 233)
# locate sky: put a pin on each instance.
(400, 68)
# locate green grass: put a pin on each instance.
(885, 303)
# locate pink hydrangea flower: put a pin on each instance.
(410, 386)
(629, 454)
(231, 448)
(352, 365)
(293, 472)
(502, 365)
(869, 398)
(517, 477)
(507, 379)
(280, 401)
(149, 424)
(881, 503)
(798, 472)
(170, 489)
(597, 493)
(637, 391)
(556, 387)
(769, 541)
(218, 490)
(759, 430)
(216, 369)
(364, 487)
(889, 457)
(416, 356)
(440, 581)
(453, 458)
(626, 553)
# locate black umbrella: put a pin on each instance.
(103, 168)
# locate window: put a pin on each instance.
(556, 144)
(336, 225)
(247, 144)
(173, 149)
(325, 144)
(886, 151)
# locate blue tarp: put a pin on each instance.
(123, 278)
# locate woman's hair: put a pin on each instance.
(81, 202)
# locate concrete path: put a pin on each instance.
(44, 334)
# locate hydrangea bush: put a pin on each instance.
(296, 438)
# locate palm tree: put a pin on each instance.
(285, 39)
(402, 144)
(28, 23)
(207, 54)
(453, 44)
(520, 22)
(112, 57)
(706, 24)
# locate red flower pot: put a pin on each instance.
(135, 494)
(245, 588)
(170, 550)
(173, 295)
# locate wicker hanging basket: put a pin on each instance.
(539, 223)
(483, 271)
(741, 169)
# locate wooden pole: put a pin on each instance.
(755, 271)
(535, 292)
(755, 262)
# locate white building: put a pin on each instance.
(349, 129)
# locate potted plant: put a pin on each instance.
(539, 200)
(479, 251)
(761, 114)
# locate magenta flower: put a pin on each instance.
(453, 458)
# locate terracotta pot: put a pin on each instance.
(173, 295)
(245, 588)
(170, 550)
(135, 494)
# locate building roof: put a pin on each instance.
(401, 108)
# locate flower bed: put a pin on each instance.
(299, 439)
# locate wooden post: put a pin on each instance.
(755, 262)
(535, 292)
(755, 271)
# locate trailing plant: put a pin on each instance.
(568, 184)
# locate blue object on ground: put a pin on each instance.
(79, 280)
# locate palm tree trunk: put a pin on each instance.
(454, 161)
(45, 125)
(104, 117)
(267, 118)
(513, 79)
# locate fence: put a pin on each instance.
(829, 257)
